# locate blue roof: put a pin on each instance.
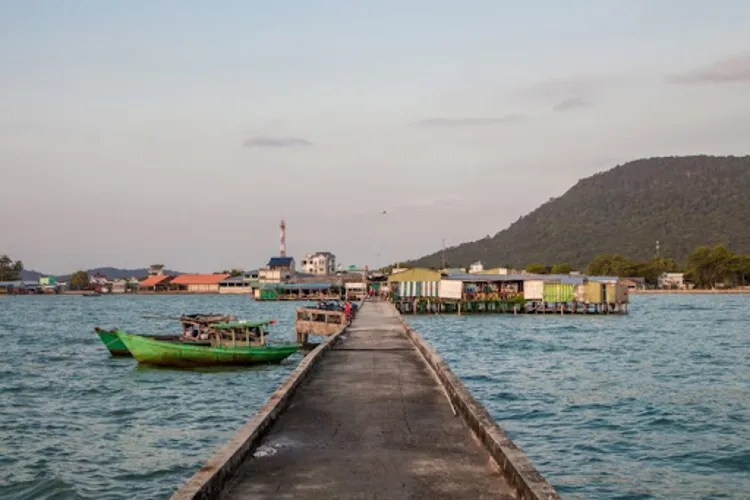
(279, 261)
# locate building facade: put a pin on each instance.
(672, 281)
(319, 263)
(199, 283)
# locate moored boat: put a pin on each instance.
(117, 348)
(155, 352)
(194, 326)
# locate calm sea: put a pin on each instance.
(652, 405)
(655, 404)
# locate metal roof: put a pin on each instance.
(501, 278)
(490, 278)
(199, 279)
(298, 286)
(603, 278)
(279, 261)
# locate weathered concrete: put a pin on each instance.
(212, 478)
(515, 465)
(372, 421)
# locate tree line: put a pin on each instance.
(706, 267)
(10, 270)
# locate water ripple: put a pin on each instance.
(655, 404)
(77, 423)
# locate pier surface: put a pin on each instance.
(371, 422)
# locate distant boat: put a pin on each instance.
(250, 350)
(92, 294)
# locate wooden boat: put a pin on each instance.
(197, 323)
(232, 343)
(117, 348)
(320, 321)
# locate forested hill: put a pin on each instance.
(683, 202)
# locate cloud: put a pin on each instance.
(508, 119)
(562, 88)
(570, 104)
(276, 142)
(732, 70)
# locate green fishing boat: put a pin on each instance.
(192, 326)
(113, 343)
(232, 343)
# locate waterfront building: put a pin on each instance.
(155, 283)
(672, 281)
(319, 263)
(199, 283)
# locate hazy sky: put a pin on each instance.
(181, 131)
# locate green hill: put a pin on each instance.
(683, 202)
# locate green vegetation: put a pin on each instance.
(561, 269)
(10, 270)
(79, 280)
(683, 202)
(705, 267)
(537, 269)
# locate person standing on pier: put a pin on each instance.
(348, 311)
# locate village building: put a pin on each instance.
(279, 269)
(672, 281)
(155, 283)
(237, 285)
(100, 283)
(476, 268)
(319, 263)
(199, 283)
(49, 284)
(634, 283)
(415, 282)
(156, 270)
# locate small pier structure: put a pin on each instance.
(371, 413)
(509, 294)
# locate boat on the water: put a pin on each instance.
(194, 330)
(117, 348)
(232, 343)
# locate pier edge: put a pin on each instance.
(214, 476)
(516, 466)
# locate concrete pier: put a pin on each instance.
(375, 419)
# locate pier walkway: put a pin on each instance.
(372, 422)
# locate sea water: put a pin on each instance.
(655, 404)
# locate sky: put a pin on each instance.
(182, 131)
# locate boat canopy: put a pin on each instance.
(241, 324)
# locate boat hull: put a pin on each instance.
(117, 347)
(112, 342)
(148, 351)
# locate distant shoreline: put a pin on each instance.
(692, 292)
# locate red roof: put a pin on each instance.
(199, 279)
(154, 280)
